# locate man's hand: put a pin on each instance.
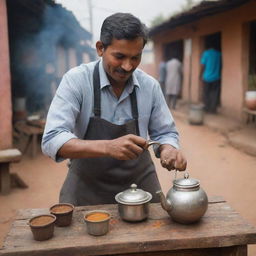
(127, 147)
(172, 158)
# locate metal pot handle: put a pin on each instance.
(151, 142)
(186, 174)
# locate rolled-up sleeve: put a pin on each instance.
(162, 127)
(61, 118)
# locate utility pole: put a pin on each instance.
(89, 2)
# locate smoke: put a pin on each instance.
(34, 45)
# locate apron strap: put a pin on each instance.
(97, 99)
(96, 89)
(135, 113)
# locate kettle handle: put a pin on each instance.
(186, 174)
(152, 142)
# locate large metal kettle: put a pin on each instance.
(185, 202)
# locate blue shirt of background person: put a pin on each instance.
(211, 59)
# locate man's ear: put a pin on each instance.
(100, 48)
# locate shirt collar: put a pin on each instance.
(133, 81)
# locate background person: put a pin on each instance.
(162, 75)
(211, 75)
(99, 119)
(173, 81)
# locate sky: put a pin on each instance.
(146, 10)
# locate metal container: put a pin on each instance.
(185, 202)
(250, 100)
(97, 226)
(133, 204)
(196, 114)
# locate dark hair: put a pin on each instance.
(122, 26)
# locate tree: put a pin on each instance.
(187, 5)
(157, 20)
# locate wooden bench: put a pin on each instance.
(251, 115)
(7, 157)
(32, 132)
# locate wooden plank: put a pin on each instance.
(10, 155)
(220, 227)
(225, 251)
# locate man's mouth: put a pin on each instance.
(123, 73)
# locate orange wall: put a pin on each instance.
(5, 87)
(234, 41)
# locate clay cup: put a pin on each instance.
(42, 226)
(63, 213)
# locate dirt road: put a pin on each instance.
(222, 170)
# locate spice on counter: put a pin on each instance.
(41, 220)
(97, 216)
(61, 209)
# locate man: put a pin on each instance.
(210, 75)
(173, 81)
(101, 116)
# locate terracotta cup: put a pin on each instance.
(63, 213)
(42, 226)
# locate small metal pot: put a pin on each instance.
(97, 226)
(133, 204)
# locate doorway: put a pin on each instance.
(174, 49)
(252, 57)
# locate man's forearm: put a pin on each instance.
(76, 148)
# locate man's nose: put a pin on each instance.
(127, 65)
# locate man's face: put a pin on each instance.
(120, 58)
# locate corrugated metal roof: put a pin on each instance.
(205, 8)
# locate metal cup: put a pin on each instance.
(97, 226)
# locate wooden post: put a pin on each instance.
(5, 178)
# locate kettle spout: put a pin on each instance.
(166, 205)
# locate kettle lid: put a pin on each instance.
(133, 196)
(186, 182)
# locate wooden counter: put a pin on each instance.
(220, 232)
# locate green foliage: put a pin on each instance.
(252, 82)
(187, 5)
(157, 20)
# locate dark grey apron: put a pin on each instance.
(92, 181)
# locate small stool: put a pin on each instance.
(7, 157)
(32, 132)
(251, 115)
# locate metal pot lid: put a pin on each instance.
(133, 196)
(186, 182)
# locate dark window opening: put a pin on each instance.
(252, 57)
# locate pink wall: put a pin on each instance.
(5, 87)
(234, 42)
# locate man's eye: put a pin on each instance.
(119, 57)
(136, 57)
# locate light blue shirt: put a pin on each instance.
(211, 59)
(72, 107)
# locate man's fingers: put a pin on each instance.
(168, 164)
(180, 163)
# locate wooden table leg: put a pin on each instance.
(5, 178)
(34, 145)
(239, 250)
